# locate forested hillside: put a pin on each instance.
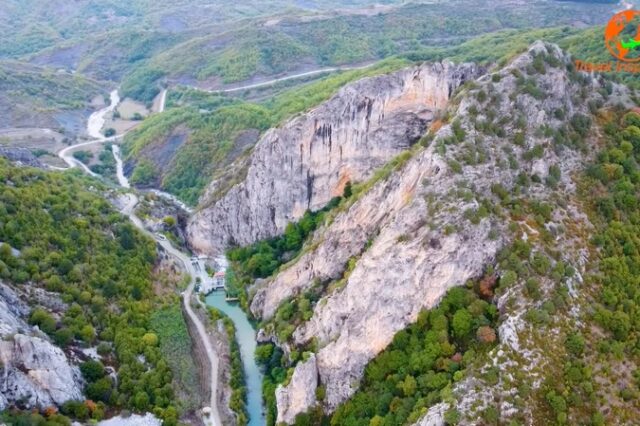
(298, 44)
(213, 44)
(31, 96)
(72, 242)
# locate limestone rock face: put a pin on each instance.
(300, 394)
(33, 372)
(37, 374)
(12, 310)
(420, 231)
(308, 161)
(435, 416)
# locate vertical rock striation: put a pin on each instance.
(308, 161)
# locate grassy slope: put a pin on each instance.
(30, 96)
(175, 345)
(46, 89)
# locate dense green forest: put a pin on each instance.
(72, 242)
(610, 188)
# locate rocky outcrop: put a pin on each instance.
(21, 156)
(435, 416)
(34, 372)
(308, 161)
(425, 228)
(300, 394)
(12, 310)
(37, 374)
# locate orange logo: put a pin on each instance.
(622, 36)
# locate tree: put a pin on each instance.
(409, 386)
(88, 333)
(145, 173)
(575, 344)
(508, 278)
(141, 401)
(110, 132)
(631, 119)
(92, 370)
(486, 334)
(486, 286)
(348, 191)
(43, 320)
(150, 339)
(263, 353)
(100, 390)
(462, 323)
(292, 237)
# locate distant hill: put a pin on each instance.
(33, 96)
(207, 46)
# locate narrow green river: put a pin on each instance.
(246, 337)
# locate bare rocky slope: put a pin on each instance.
(306, 162)
(34, 372)
(409, 235)
(427, 227)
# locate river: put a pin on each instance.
(245, 333)
(246, 337)
(97, 119)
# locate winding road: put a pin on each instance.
(67, 156)
(212, 355)
(94, 126)
(129, 210)
(285, 78)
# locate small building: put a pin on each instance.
(219, 280)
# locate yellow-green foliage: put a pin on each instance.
(74, 243)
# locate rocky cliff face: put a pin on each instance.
(308, 161)
(34, 372)
(299, 395)
(428, 226)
